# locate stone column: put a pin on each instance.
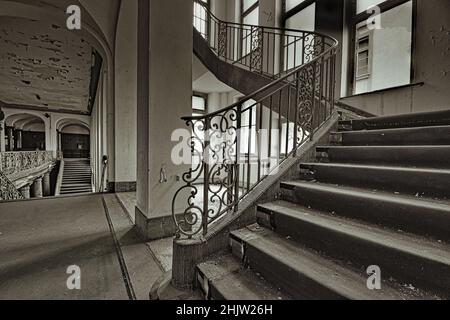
(37, 188)
(25, 191)
(164, 96)
(59, 141)
(2, 136)
(46, 184)
(19, 140)
(11, 138)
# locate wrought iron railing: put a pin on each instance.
(265, 50)
(13, 163)
(235, 148)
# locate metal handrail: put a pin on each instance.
(239, 146)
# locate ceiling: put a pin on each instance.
(43, 65)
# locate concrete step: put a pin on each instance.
(412, 181)
(410, 259)
(304, 273)
(395, 137)
(409, 156)
(410, 214)
(410, 120)
(225, 278)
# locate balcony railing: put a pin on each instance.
(17, 163)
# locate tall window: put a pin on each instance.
(382, 47)
(201, 22)
(249, 16)
(298, 15)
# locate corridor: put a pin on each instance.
(41, 239)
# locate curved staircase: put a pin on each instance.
(373, 198)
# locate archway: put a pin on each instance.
(25, 132)
(74, 140)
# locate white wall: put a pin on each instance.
(391, 51)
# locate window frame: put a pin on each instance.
(207, 3)
(204, 96)
(245, 13)
(352, 21)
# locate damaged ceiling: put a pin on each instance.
(44, 65)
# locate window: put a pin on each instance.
(249, 16)
(248, 127)
(201, 22)
(298, 15)
(383, 52)
(199, 103)
(363, 61)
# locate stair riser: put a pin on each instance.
(400, 137)
(410, 157)
(407, 217)
(282, 276)
(422, 183)
(407, 268)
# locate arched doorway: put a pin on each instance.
(25, 132)
(75, 141)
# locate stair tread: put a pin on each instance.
(393, 130)
(404, 199)
(430, 147)
(329, 273)
(411, 244)
(234, 282)
(369, 166)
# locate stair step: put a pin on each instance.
(410, 120)
(409, 258)
(407, 213)
(391, 137)
(410, 156)
(306, 274)
(414, 181)
(224, 278)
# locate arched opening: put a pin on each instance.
(75, 141)
(25, 132)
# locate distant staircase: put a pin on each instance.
(377, 197)
(77, 177)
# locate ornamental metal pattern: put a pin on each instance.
(17, 162)
(8, 190)
(222, 40)
(256, 60)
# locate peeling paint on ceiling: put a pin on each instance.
(43, 66)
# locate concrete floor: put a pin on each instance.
(40, 239)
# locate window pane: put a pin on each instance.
(252, 18)
(304, 20)
(363, 5)
(386, 56)
(248, 3)
(198, 103)
(291, 4)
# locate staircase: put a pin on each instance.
(77, 178)
(377, 196)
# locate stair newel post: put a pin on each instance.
(238, 156)
(206, 159)
(297, 106)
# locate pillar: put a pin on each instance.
(25, 191)
(10, 139)
(59, 141)
(2, 136)
(37, 188)
(19, 140)
(46, 185)
(164, 96)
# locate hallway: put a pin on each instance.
(40, 239)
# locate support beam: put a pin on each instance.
(165, 49)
